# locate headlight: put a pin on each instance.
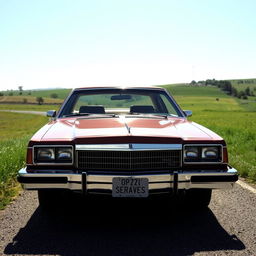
(53, 155)
(202, 154)
(45, 154)
(191, 152)
(64, 154)
(210, 152)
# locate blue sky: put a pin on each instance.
(62, 43)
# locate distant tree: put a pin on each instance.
(221, 84)
(202, 82)
(208, 82)
(10, 93)
(29, 92)
(214, 82)
(241, 94)
(20, 89)
(1, 94)
(247, 91)
(39, 100)
(193, 82)
(245, 97)
(54, 95)
(228, 86)
(234, 91)
(25, 101)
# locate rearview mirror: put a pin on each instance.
(121, 97)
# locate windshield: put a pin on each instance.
(118, 101)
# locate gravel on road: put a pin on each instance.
(228, 227)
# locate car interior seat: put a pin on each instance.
(142, 109)
(97, 109)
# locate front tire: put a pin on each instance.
(198, 198)
(51, 199)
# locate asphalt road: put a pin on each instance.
(228, 227)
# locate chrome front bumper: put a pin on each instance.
(99, 183)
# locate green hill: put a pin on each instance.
(242, 84)
(188, 90)
(48, 93)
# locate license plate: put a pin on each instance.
(129, 187)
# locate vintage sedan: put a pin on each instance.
(125, 142)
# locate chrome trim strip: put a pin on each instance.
(128, 147)
(108, 178)
(109, 186)
(52, 146)
(102, 146)
(69, 174)
(205, 145)
(157, 146)
(185, 179)
(76, 158)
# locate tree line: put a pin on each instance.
(39, 100)
(227, 87)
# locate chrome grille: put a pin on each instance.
(129, 160)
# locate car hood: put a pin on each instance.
(122, 129)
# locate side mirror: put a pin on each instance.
(187, 113)
(51, 113)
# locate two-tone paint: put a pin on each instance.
(124, 129)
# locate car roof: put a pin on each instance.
(121, 87)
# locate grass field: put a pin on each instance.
(28, 99)
(248, 105)
(28, 107)
(15, 132)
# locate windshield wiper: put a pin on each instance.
(165, 115)
(144, 115)
(90, 115)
